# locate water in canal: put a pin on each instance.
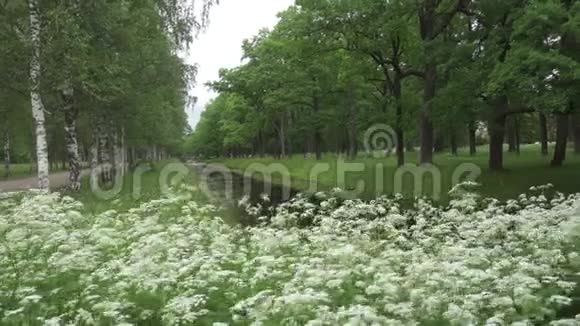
(227, 188)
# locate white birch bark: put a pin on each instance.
(94, 152)
(104, 152)
(118, 162)
(36, 99)
(70, 128)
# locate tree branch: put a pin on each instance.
(517, 111)
(448, 17)
(412, 72)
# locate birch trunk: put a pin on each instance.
(6, 154)
(94, 153)
(36, 99)
(115, 151)
(118, 152)
(70, 129)
(104, 153)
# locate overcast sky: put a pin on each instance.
(221, 45)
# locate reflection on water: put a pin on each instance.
(228, 189)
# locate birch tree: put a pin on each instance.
(71, 139)
(38, 113)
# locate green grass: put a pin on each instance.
(129, 196)
(23, 170)
(522, 172)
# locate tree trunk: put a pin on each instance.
(562, 132)
(453, 143)
(497, 133)
(544, 133)
(130, 157)
(118, 150)
(517, 134)
(352, 126)
(438, 144)
(82, 156)
(400, 141)
(511, 134)
(410, 146)
(104, 148)
(282, 135)
(36, 99)
(133, 158)
(576, 131)
(317, 139)
(70, 129)
(94, 155)
(426, 127)
(6, 154)
(123, 150)
(261, 144)
(472, 139)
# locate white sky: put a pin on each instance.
(220, 46)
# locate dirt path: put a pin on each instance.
(57, 180)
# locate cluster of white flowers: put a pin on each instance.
(319, 260)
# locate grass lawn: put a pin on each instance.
(522, 172)
(19, 171)
(130, 194)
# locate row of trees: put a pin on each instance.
(436, 70)
(97, 81)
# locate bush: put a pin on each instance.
(314, 261)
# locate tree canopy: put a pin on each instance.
(441, 73)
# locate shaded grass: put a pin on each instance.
(20, 171)
(131, 194)
(522, 171)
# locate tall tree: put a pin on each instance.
(36, 98)
(434, 18)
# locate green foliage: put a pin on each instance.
(120, 57)
(332, 69)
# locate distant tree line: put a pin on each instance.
(435, 71)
